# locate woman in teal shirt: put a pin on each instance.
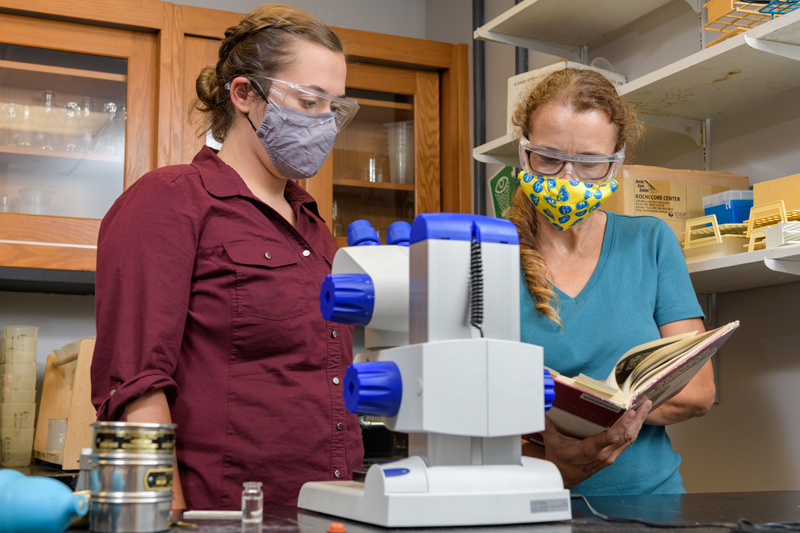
(595, 284)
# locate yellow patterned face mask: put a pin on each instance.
(564, 202)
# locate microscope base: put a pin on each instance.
(407, 493)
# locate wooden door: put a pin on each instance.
(198, 52)
(199, 36)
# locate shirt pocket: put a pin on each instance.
(269, 282)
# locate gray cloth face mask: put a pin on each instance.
(297, 143)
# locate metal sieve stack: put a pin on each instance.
(132, 475)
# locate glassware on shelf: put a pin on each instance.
(72, 127)
(372, 169)
(51, 111)
(23, 136)
(85, 128)
(7, 123)
(103, 143)
(111, 139)
(119, 130)
(336, 219)
(47, 123)
(401, 151)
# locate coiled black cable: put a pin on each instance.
(476, 284)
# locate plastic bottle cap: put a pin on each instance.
(336, 527)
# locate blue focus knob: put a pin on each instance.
(347, 298)
(398, 233)
(549, 390)
(373, 388)
(361, 233)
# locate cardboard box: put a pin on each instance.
(518, 83)
(674, 196)
(786, 189)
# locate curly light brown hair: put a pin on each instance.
(261, 45)
(581, 90)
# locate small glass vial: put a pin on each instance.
(338, 226)
(252, 502)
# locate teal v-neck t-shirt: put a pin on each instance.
(640, 283)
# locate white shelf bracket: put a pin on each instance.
(780, 265)
(696, 5)
(686, 126)
(572, 53)
(495, 160)
(790, 51)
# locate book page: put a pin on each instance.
(595, 385)
(633, 357)
(584, 406)
(597, 388)
(660, 360)
(662, 385)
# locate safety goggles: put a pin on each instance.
(293, 96)
(590, 168)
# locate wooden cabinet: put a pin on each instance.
(78, 123)
(138, 64)
(63, 158)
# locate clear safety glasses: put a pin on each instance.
(310, 101)
(590, 168)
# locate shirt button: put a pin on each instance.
(340, 426)
(338, 473)
(306, 253)
(335, 381)
(334, 334)
(112, 392)
(268, 255)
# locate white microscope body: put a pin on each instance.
(464, 393)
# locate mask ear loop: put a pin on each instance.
(263, 97)
(250, 122)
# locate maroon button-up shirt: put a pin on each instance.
(207, 293)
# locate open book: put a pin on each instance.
(655, 371)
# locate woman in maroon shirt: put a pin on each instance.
(208, 277)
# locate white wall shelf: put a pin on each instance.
(502, 151)
(748, 68)
(747, 270)
(724, 77)
(564, 27)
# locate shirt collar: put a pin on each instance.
(222, 181)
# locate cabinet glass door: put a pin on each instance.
(373, 164)
(62, 131)
(73, 98)
(385, 163)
